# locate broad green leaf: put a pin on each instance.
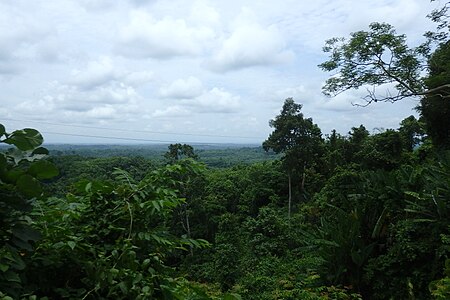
(137, 279)
(43, 169)
(88, 187)
(29, 186)
(4, 267)
(71, 244)
(123, 287)
(25, 139)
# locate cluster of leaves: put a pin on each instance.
(343, 217)
(372, 58)
(115, 236)
(107, 240)
(20, 172)
(367, 222)
(360, 226)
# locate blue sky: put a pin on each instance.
(215, 70)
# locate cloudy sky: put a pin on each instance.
(183, 70)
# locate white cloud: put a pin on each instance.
(112, 61)
(64, 101)
(147, 37)
(202, 13)
(114, 93)
(18, 33)
(102, 112)
(102, 73)
(182, 89)
(250, 44)
(95, 74)
(215, 100)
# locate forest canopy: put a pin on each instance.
(361, 215)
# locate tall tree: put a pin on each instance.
(381, 61)
(411, 132)
(375, 58)
(178, 151)
(435, 108)
(380, 56)
(298, 138)
(185, 156)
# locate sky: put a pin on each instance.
(188, 71)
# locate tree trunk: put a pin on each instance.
(303, 178)
(188, 227)
(290, 196)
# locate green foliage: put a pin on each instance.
(411, 131)
(178, 151)
(382, 151)
(112, 236)
(439, 16)
(214, 156)
(374, 58)
(295, 136)
(115, 238)
(435, 108)
(275, 278)
(75, 168)
(300, 141)
(440, 289)
(375, 226)
(24, 139)
(20, 172)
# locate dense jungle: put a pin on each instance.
(305, 215)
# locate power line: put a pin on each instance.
(129, 130)
(128, 139)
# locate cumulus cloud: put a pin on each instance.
(190, 87)
(113, 60)
(213, 101)
(250, 44)
(202, 13)
(216, 100)
(65, 102)
(102, 72)
(95, 74)
(147, 37)
(18, 33)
